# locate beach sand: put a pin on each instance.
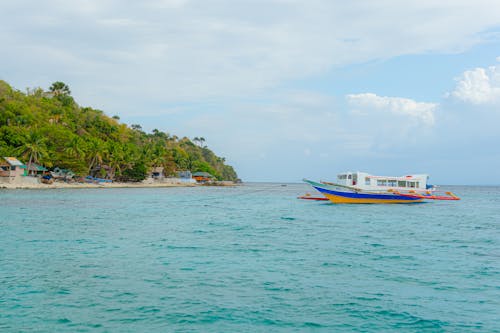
(56, 185)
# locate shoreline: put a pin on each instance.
(62, 185)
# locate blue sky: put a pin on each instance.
(282, 89)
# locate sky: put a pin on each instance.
(283, 89)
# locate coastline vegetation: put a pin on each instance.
(51, 129)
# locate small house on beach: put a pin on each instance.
(184, 174)
(186, 177)
(34, 169)
(157, 173)
(203, 177)
(11, 169)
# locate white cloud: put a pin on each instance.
(478, 86)
(368, 102)
(180, 50)
(169, 3)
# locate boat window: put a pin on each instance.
(367, 181)
(349, 177)
(382, 182)
(391, 182)
(401, 183)
(411, 184)
(417, 184)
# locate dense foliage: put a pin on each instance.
(49, 128)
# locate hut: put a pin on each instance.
(11, 169)
(34, 169)
(186, 177)
(157, 173)
(184, 174)
(202, 177)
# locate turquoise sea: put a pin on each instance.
(251, 258)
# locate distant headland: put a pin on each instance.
(47, 138)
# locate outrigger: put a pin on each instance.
(308, 196)
(429, 196)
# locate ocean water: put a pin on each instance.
(246, 259)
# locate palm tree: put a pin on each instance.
(130, 154)
(59, 88)
(76, 148)
(116, 157)
(200, 141)
(158, 154)
(95, 153)
(34, 148)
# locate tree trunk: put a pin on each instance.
(29, 163)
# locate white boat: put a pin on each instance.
(361, 187)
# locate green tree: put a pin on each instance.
(59, 88)
(137, 173)
(34, 148)
(76, 148)
(116, 157)
(136, 127)
(95, 153)
(200, 141)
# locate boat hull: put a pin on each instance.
(353, 197)
(346, 198)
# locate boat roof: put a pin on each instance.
(202, 174)
(385, 177)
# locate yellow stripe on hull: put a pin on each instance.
(341, 199)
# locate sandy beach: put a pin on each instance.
(63, 185)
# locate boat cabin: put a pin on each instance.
(365, 181)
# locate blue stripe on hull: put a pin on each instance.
(373, 196)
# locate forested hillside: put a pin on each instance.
(51, 129)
